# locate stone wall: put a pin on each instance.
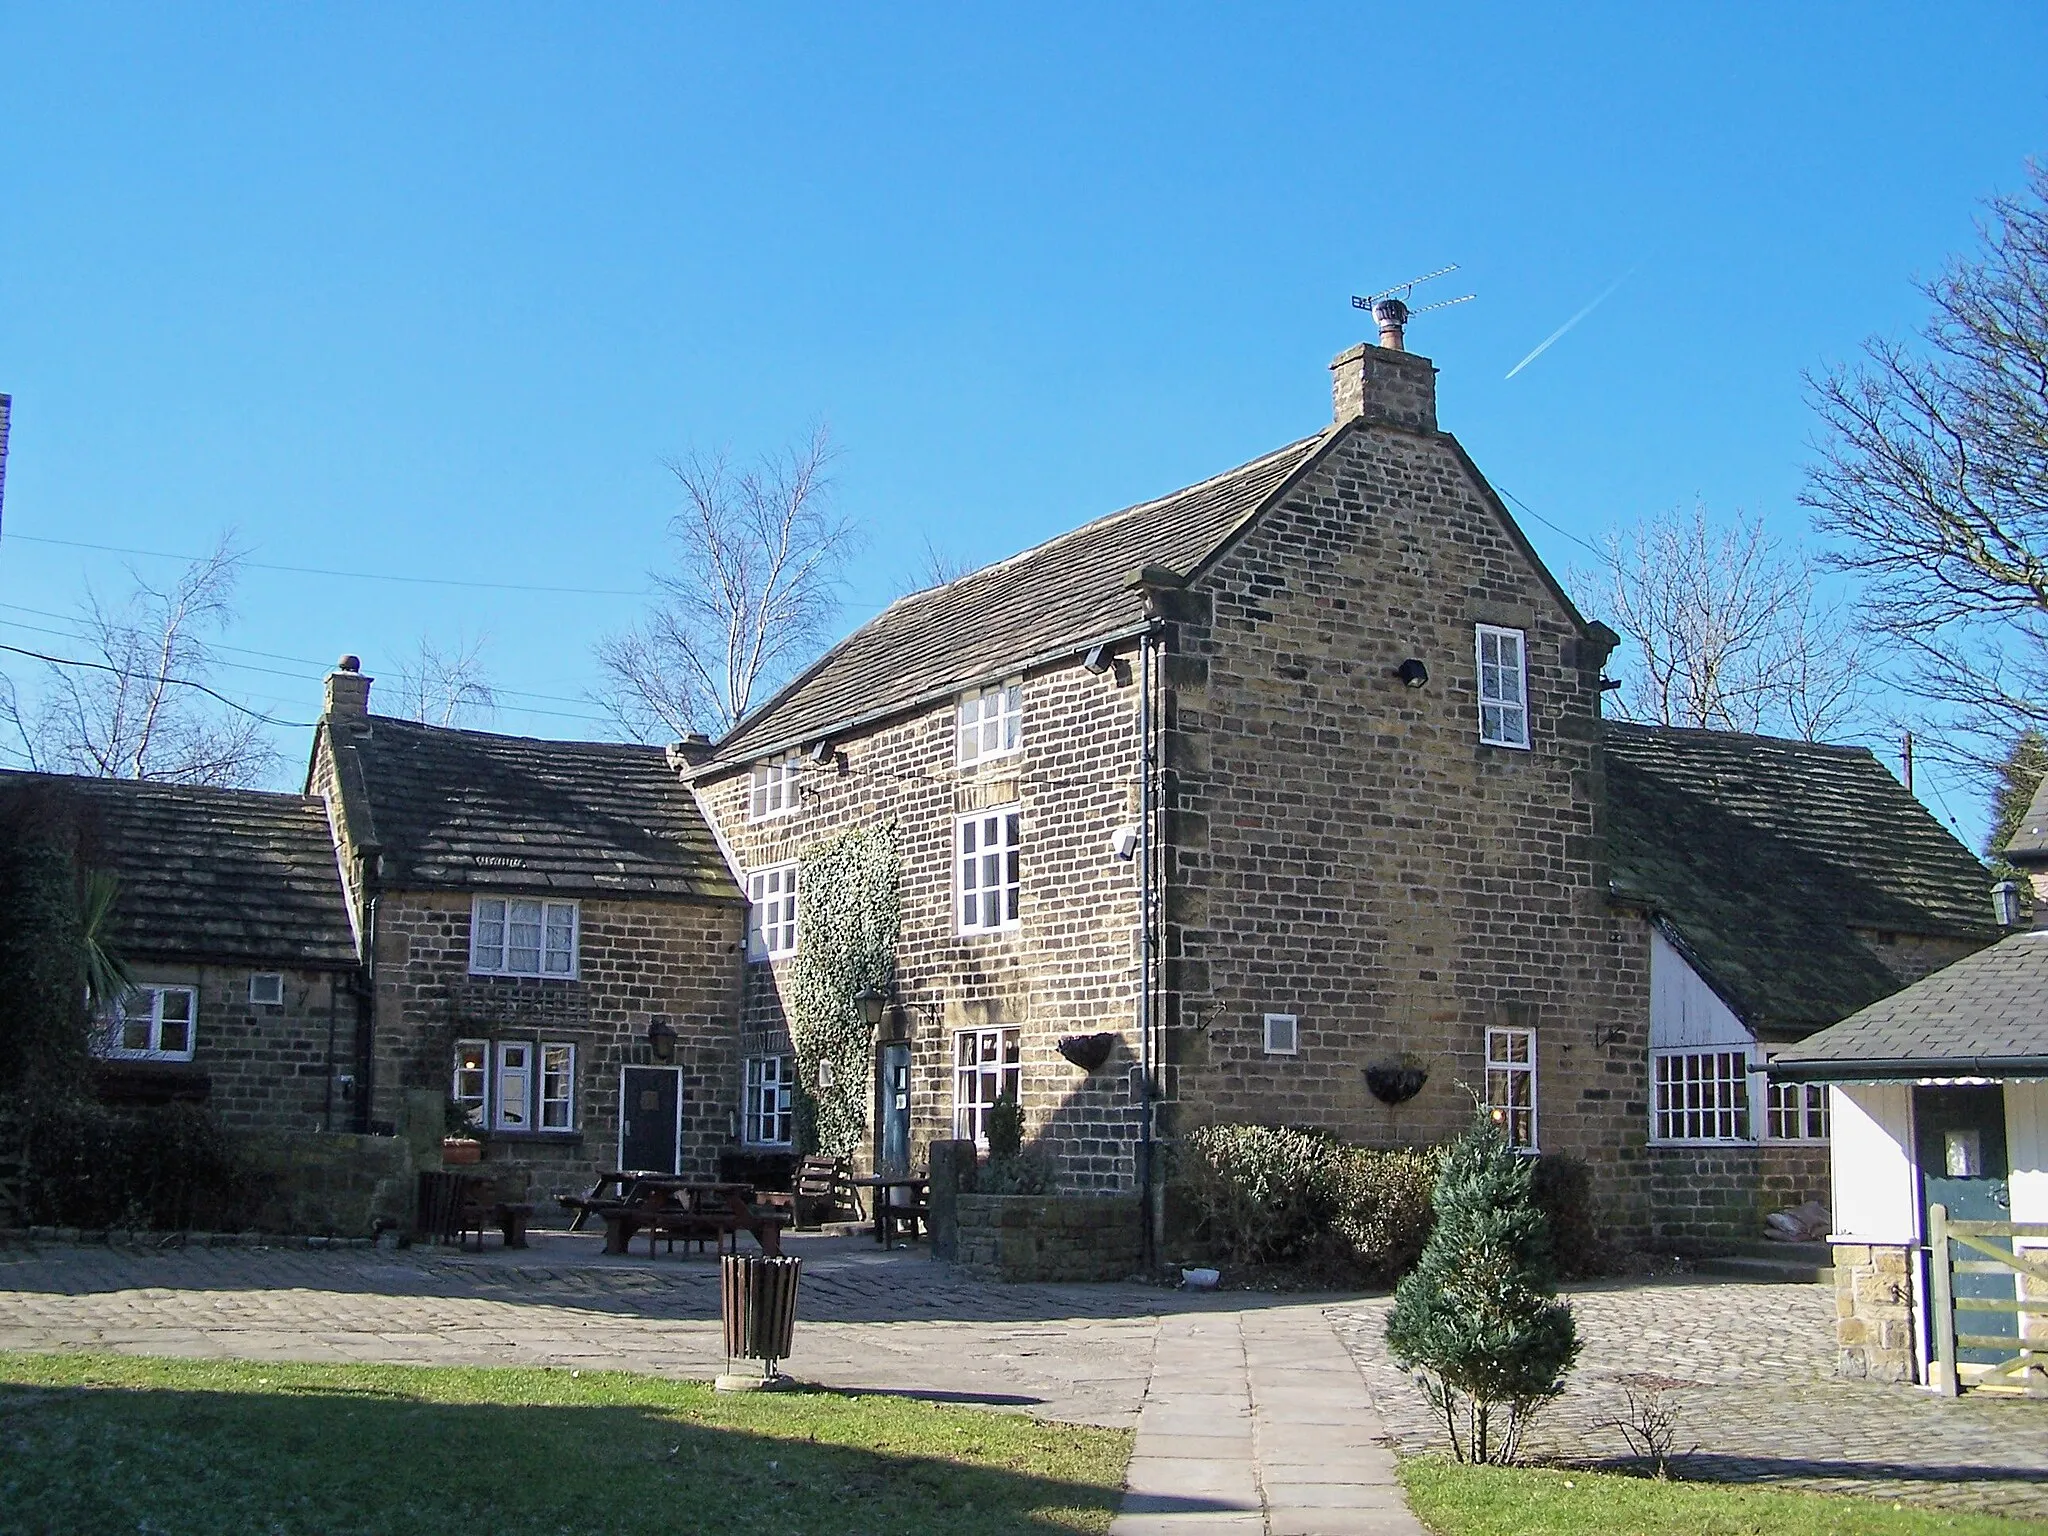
(265, 1067)
(637, 961)
(1343, 848)
(333, 1185)
(1724, 1192)
(1874, 1322)
(1069, 967)
(1067, 1238)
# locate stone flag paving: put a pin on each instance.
(1258, 1422)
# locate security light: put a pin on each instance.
(1097, 659)
(1412, 672)
(1123, 842)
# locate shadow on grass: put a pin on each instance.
(295, 1455)
(1763, 1471)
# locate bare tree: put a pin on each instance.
(137, 704)
(752, 594)
(1725, 630)
(1934, 475)
(451, 687)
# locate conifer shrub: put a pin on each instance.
(1562, 1187)
(1478, 1318)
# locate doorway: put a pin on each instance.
(1959, 1146)
(651, 1119)
(892, 1086)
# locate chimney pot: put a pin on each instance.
(1392, 317)
(348, 690)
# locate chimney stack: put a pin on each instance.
(1385, 384)
(348, 691)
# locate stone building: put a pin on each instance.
(232, 923)
(550, 938)
(1773, 888)
(1281, 793)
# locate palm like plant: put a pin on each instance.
(106, 974)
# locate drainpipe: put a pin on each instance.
(1148, 1194)
(327, 1099)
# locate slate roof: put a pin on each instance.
(2028, 846)
(224, 875)
(1984, 1016)
(1761, 855)
(1059, 596)
(468, 810)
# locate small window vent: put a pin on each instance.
(266, 988)
(1283, 1035)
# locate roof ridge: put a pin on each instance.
(1755, 738)
(125, 785)
(538, 741)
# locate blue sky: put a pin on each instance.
(435, 292)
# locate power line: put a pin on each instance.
(1553, 527)
(315, 570)
(181, 682)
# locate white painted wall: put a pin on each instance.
(2026, 1148)
(1876, 1195)
(1685, 1013)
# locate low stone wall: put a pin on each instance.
(1874, 1312)
(332, 1184)
(1050, 1237)
(1717, 1193)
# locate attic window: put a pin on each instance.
(991, 723)
(1503, 687)
(266, 989)
(772, 790)
(1283, 1035)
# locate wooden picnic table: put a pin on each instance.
(672, 1206)
(889, 1213)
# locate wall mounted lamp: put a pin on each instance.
(661, 1038)
(1412, 672)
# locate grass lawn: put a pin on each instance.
(151, 1447)
(1526, 1501)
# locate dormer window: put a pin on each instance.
(991, 723)
(772, 791)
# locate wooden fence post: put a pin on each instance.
(1942, 1310)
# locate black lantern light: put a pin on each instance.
(1412, 672)
(661, 1038)
(873, 1002)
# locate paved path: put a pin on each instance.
(1257, 1422)
(1760, 1399)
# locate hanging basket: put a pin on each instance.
(1393, 1083)
(1087, 1051)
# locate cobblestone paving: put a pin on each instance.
(1766, 1406)
(867, 1319)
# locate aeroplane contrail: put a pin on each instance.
(1555, 336)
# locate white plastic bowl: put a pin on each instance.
(1200, 1279)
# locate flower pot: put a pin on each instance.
(460, 1149)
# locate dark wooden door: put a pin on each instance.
(650, 1119)
(893, 1085)
(1959, 1141)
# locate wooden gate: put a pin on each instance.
(1974, 1248)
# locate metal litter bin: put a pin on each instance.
(757, 1301)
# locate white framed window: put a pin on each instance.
(991, 723)
(771, 919)
(765, 1112)
(987, 1063)
(1700, 1096)
(266, 989)
(771, 790)
(557, 1086)
(153, 1024)
(1511, 1084)
(1283, 1035)
(1798, 1112)
(471, 1085)
(1503, 687)
(989, 862)
(513, 936)
(512, 1089)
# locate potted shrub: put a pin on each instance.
(462, 1140)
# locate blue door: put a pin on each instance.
(1959, 1138)
(893, 1088)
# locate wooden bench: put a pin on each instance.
(625, 1220)
(819, 1186)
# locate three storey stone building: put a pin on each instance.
(1275, 799)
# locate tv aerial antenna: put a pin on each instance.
(1391, 309)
